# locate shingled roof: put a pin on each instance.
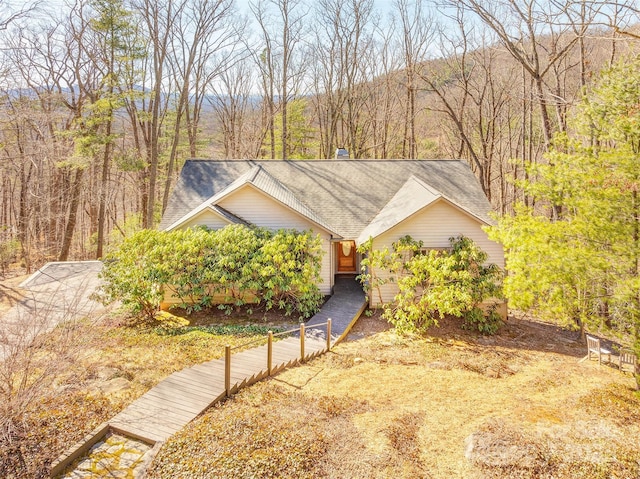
(344, 196)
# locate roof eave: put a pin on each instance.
(311, 220)
(227, 192)
(440, 197)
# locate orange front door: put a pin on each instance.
(346, 256)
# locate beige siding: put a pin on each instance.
(259, 209)
(206, 218)
(170, 299)
(255, 207)
(434, 226)
(326, 273)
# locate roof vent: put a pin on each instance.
(342, 154)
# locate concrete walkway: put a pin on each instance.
(57, 292)
(182, 396)
(348, 297)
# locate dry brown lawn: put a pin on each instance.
(451, 405)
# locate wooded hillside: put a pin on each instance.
(104, 99)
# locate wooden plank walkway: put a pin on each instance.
(168, 407)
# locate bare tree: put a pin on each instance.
(148, 113)
(384, 107)
(203, 32)
(39, 340)
(233, 106)
(281, 59)
(265, 60)
(471, 86)
(45, 63)
(10, 15)
(340, 72)
(537, 35)
(416, 34)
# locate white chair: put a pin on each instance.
(594, 348)
(627, 361)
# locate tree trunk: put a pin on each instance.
(73, 211)
(23, 215)
(104, 178)
(542, 103)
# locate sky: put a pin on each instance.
(383, 6)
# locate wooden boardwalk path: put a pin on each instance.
(169, 406)
(182, 396)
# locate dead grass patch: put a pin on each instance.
(499, 450)
(389, 406)
(384, 406)
(403, 434)
(614, 397)
(54, 422)
(246, 438)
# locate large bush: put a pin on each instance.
(243, 265)
(436, 283)
(135, 273)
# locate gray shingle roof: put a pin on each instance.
(274, 188)
(233, 219)
(261, 179)
(345, 195)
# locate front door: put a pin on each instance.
(346, 256)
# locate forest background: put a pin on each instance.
(102, 100)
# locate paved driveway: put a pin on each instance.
(56, 292)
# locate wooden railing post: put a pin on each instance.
(328, 334)
(269, 353)
(227, 370)
(301, 342)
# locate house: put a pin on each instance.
(345, 201)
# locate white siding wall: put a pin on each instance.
(326, 273)
(206, 218)
(434, 226)
(253, 206)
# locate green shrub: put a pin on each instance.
(289, 270)
(245, 265)
(135, 273)
(391, 262)
(443, 283)
(437, 283)
(486, 323)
